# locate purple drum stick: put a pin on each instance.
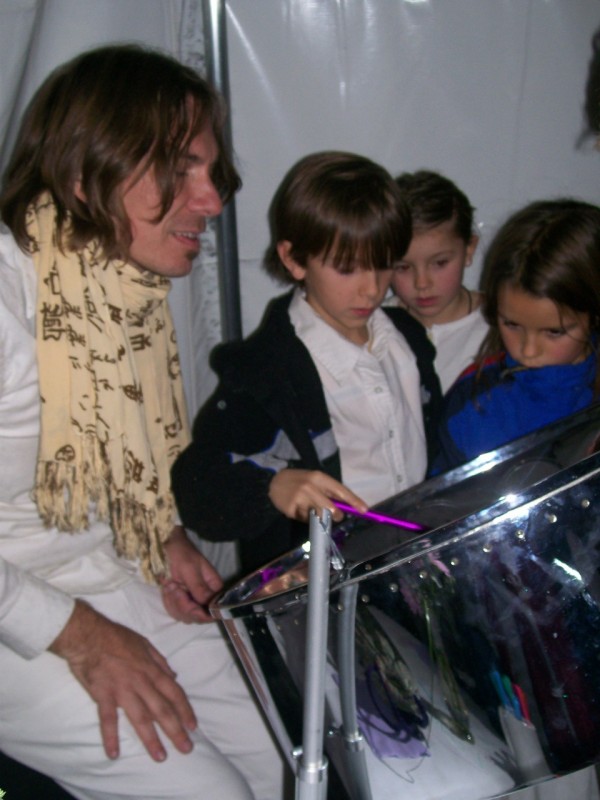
(400, 523)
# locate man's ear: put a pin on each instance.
(284, 251)
(471, 247)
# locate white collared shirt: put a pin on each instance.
(374, 401)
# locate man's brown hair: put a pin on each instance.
(105, 116)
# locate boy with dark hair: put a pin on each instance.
(330, 399)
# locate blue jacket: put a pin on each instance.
(506, 402)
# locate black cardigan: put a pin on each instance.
(267, 413)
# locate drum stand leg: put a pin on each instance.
(311, 774)
(353, 739)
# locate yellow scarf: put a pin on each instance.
(113, 416)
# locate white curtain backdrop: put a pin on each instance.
(490, 92)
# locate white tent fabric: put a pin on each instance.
(490, 93)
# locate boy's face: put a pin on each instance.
(344, 300)
(168, 246)
(536, 333)
(429, 278)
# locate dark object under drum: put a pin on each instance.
(469, 656)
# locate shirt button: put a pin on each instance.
(391, 434)
(378, 390)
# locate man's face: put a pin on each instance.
(169, 246)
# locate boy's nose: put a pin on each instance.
(370, 283)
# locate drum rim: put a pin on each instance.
(469, 524)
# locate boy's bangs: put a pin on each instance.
(367, 243)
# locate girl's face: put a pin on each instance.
(429, 278)
(344, 300)
(537, 333)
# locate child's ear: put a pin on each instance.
(78, 191)
(284, 251)
(471, 247)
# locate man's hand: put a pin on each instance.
(295, 491)
(121, 669)
(193, 582)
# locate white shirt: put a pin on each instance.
(374, 401)
(40, 569)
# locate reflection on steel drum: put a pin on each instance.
(466, 658)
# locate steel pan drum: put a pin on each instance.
(467, 657)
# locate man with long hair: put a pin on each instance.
(119, 162)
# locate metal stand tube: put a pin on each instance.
(353, 739)
(215, 35)
(311, 783)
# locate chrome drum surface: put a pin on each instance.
(469, 656)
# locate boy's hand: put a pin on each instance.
(295, 492)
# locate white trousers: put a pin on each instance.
(48, 721)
